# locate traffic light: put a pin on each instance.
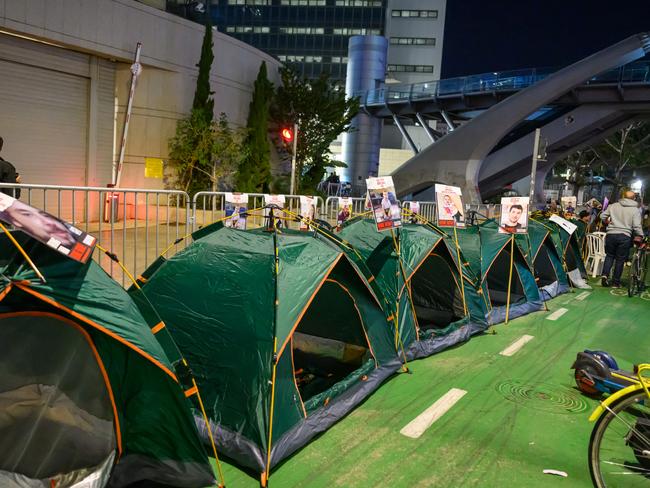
(287, 135)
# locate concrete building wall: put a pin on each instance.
(108, 31)
(415, 27)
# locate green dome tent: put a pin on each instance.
(86, 387)
(420, 284)
(569, 249)
(282, 331)
(492, 255)
(542, 255)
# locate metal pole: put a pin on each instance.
(538, 133)
(425, 126)
(448, 120)
(136, 69)
(405, 134)
(294, 157)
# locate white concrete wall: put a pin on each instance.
(416, 27)
(391, 159)
(110, 30)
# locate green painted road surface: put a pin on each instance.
(521, 414)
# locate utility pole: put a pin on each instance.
(294, 159)
(537, 145)
(136, 69)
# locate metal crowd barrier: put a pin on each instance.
(135, 224)
(483, 211)
(138, 224)
(332, 208)
(209, 207)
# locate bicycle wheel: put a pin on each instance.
(619, 448)
(632, 283)
(643, 272)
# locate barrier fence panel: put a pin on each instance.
(482, 212)
(209, 207)
(331, 210)
(427, 210)
(135, 224)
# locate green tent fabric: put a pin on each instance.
(272, 321)
(543, 258)
(81, 346)
(420, 285)
(570, 251)
(488, 253)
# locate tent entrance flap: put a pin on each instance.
(330, 342)
(56, 413)
(544, 269)
(497, 280)
(436, 292)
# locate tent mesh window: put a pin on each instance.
(330, 343)
(53, 399)
(497, 279)
(436, 292)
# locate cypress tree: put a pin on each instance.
(254, 173)
(203, 100)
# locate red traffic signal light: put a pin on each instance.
(286, 134)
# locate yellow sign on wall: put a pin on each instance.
(153, 168)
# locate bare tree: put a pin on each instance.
(628, 148)
(578, 167)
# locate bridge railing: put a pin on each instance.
(637, 72)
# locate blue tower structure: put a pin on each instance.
(367, 57)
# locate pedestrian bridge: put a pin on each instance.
(491, 118)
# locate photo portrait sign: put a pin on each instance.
(450, 209)
(345, 210)
(236, 208)
(383, 200)
(307, 211)
(55, 233)
(569, 204)
(514, 215)
(275, 201)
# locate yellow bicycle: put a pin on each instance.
(619, 448)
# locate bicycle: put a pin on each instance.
(638, 269)
(619, 448)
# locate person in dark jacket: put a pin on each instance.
(8, 174)
(624, 224)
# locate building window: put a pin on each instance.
(339, 60)
(248, 29)
(304, 3)
(351, 31)
(291, 58)
(410, 68)
(301, 30)
(249, 2)
(413, 41)
(422, 14)
(358, 3)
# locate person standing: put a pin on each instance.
(8, 174)
(624, 224)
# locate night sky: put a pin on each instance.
(483, 36)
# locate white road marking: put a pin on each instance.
(512, 349)
(416, 427)
(557, 314)
(583, 295)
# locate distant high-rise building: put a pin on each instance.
(312, 35)
(414, 29)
